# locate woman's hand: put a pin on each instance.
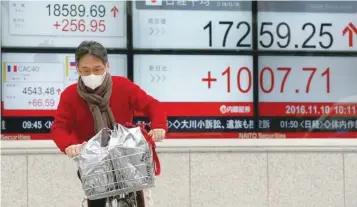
(157, 134)
(74, 150)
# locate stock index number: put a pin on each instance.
(282, 35)
(38, 91)
(74, 10)
(244, 26)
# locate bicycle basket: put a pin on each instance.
(125, 165)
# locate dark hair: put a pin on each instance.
(91, 48)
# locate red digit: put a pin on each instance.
(65, 27)
(313, 71)
(94, 25)
(73, 25)
(249, 80)
(52, 102)
(327, 74)
(228, 73)
(101, 26)
(288, 70)
(81, 25)
(261, 78)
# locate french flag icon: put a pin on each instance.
(11, 68)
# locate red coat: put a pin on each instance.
(73, 122)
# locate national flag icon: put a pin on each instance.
(11, 68)
(153, 2)
(72, 64)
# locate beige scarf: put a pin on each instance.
(98, 102)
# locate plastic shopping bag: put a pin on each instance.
(131, 158)
(95, 168)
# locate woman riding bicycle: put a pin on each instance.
(98, 101)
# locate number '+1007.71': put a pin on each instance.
(244, 79)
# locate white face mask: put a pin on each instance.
(93, 81)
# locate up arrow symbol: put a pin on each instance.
(351, 30)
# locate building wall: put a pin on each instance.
(229, 173)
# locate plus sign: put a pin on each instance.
(56, 25)
(209, 79)
(30, 102)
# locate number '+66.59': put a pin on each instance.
(41, 103)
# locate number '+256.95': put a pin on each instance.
(81, 25)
